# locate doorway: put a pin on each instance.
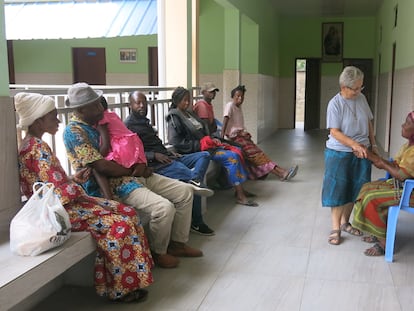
(89, 65)
(308, 90)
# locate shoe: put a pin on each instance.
(167, 261)
(202, 229)
(200, 188)
(179, 249)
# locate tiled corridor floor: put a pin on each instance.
(276, 256)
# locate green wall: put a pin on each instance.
(302, 38)
(211, 41)
(55, 56)
(259, 35)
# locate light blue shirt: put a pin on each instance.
(352, 117)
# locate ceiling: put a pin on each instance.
(327, 8)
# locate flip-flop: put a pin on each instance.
(247, 194)
(139, 295)
(291, 173)
(247, 203)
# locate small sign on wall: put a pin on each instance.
(128, 55)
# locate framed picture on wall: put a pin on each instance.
(128, 55)
(332, 42)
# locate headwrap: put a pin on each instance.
(32, 106)
(411, 139)
(411, 115)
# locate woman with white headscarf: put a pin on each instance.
(123, 262)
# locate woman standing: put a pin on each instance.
(123, 262)
(186, 132)
(346, 167)
(259, 163)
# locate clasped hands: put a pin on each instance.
(142, 170)
(361, 151)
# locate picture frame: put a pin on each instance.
(332, 42)
(128, 55)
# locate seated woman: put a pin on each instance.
(123, 262)
(371, 206)
(233, 128)
(186, 132)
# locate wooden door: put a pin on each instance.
(153, 66)
(365, 64)
(312, 94)
(89, 65)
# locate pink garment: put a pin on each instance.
(204, 110)
(127, 148)
(235, 123)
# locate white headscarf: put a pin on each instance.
(32, 106)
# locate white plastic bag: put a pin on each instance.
(41, 224)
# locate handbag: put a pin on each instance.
(41, 224)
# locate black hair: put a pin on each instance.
(238, 88)
(178, 96)
(104, 103)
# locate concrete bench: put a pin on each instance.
(22, 276)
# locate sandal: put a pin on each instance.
(370, 239)
(247, 203)
(376, 250)
(139, 295)
(334, 237)
(247, 194)
(291, 173)
(347, 227)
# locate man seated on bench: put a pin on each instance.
(190, 168)
(164, 204)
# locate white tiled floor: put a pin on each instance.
(276, 256)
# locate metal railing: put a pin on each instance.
(159, 100)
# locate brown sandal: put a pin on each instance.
(335, 237)
(370, 239)
(347, 227)
(376, 250)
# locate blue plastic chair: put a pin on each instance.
(393, 212)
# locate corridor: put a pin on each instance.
(275, 256)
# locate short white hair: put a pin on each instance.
(350, 75)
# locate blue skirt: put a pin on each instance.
(344, 176)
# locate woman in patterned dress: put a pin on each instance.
(374, 199)
(186, 132)
(259, 164)
(123, 262)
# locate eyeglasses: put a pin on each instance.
(357, 89)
